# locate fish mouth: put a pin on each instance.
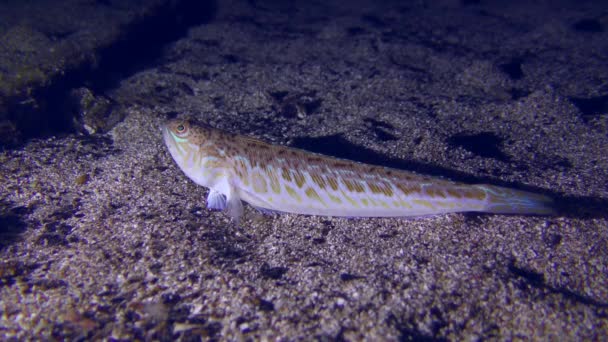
(167, 136)
(170, 141)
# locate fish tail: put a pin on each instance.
(501, 200)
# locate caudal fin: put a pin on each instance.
(510, 201)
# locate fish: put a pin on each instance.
(276, 178)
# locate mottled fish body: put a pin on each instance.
(277, 178)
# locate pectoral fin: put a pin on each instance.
(216, 200)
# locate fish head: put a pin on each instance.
(193, 148)
(184, 139)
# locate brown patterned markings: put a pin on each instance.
(406, 176)
(408, 189)
(350, 200)
(243, 177)
(262, 146)
(365, 202)
(373, 188)
(333, 183)
(285, 174)
(424, 203)
(405, 204)
(387, 189)
(341, 165)
(274, 181)
(256, 144)
(318, 179)
(441, 193)
(314, 159)
(353, 186)
(267, 169)
(335, 199)
(434, 191)
(299, 178)
(293, 193)
(384, 204)
(449, 205)
(241, 170)
(380, 188)
(212, 164)
(259, 183)
(454, 193)
(312, 194)
(473, 193)
(229, 151)
(241, 164)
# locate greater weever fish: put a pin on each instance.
(269, 177)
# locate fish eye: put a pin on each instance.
(181, 129)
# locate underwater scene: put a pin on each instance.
(299, 170)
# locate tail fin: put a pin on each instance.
(510, 201)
